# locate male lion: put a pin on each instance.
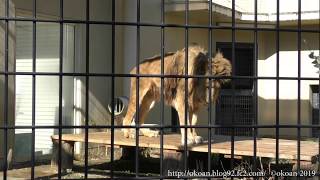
(174, 88)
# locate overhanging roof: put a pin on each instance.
(244, 9)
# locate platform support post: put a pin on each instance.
(128, 152)
(66, 154)
(172, 161)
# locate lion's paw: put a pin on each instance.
(126, 133)
(189, 142)
(132, 135)
(153, 133)
(149, 133)
(198, 139)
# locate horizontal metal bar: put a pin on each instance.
(117, 23)
(191, 177)
(163, 127)
(155, 75)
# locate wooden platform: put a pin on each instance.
(266, 147)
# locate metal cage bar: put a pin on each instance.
(233, 56)
(137, 120)
(5, 109)
(112, 86)
(299, 90)
(277, 81)
(60, 88)
(34, 58)
(319, 91)
(255, 86)
(186, 116)
(210, 86)
(282, 126)
(125, 23)
(156, 75)
(162, 50)
(268, 126)
(87, 41)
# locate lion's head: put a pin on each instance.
(220, 67)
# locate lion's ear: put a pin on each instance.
(218, 56)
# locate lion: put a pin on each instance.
(174, 88)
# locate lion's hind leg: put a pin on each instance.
(144, 104)
(145, 107)
(127, 121)
(129, 116)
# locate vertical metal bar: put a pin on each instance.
(210, 86)
(319, 92)
(60, 88)
(162, 89)
(299, 88)
(137, 90)
(86, 153)
(186, 84)
(112, 85)
(255, 88)
(34, 54)
(277, 81)
(233, 83)
(5, 109)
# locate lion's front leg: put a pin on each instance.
(197, 139)
(181, 112)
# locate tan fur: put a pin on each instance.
(174, 88)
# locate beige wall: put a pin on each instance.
(288, 89)
(174, 39)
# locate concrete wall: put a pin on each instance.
(150, 44)
(11, 81)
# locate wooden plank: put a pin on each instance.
(220, 145)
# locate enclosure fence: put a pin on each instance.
(253, 127)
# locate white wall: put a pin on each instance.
(99, 57)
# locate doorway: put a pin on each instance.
(240, 110)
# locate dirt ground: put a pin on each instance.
(96, 169)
